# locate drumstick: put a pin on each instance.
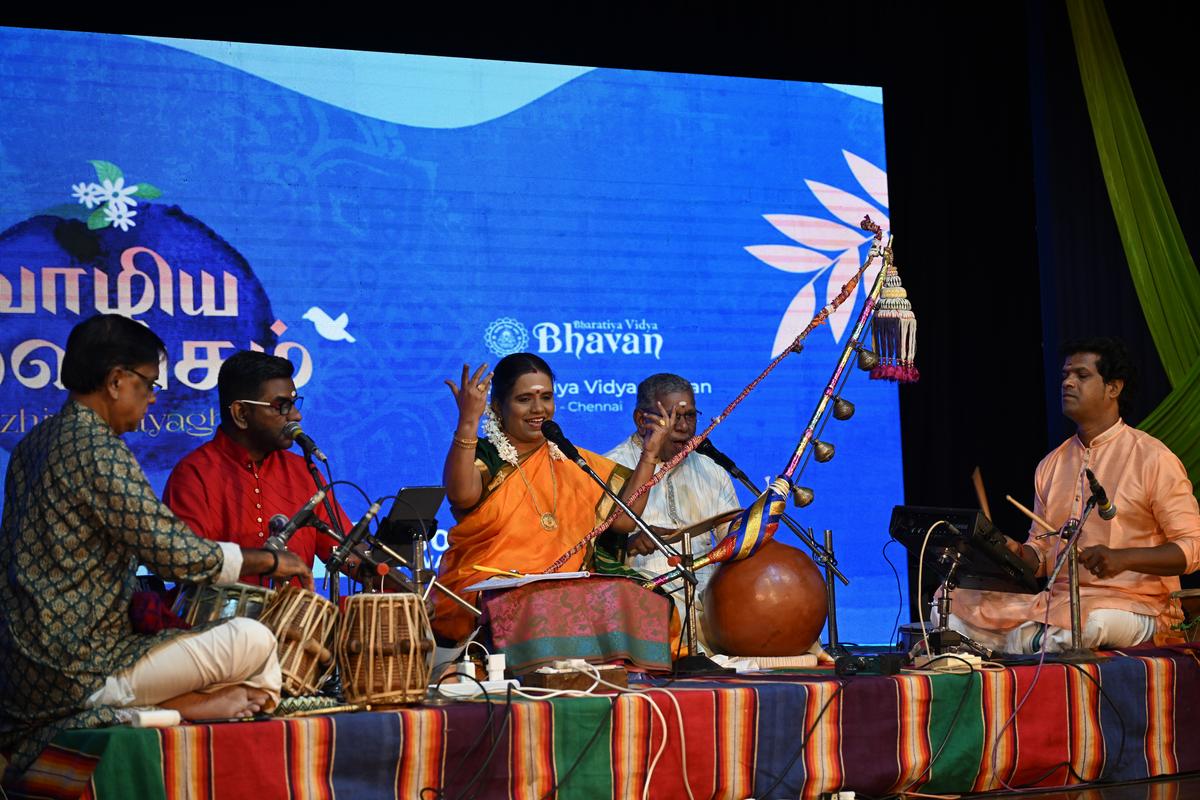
(511, 573)
(1049, 528)
(977, 479)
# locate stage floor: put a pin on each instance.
(766, 736)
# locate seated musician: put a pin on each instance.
(1129, 564)
(228, 489)
(79, 516)
(518, 503)
(695, 490)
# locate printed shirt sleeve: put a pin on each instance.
(135, 518)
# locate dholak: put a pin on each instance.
(384, 648)
(304, 623)
(197, 604)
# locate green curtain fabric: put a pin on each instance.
(1164, 274)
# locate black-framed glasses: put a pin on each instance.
(152, 385)
(283, 405)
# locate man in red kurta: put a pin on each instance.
(228, 488)
(1129, 564)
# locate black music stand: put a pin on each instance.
(962, 548)
(410, 523)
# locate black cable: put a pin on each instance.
(962, 702)
(683, 623)
(1105, 695)
(803, 742)
(332, 483)
(496, 739)
(899, 593)
(487, 724)
(579, 759)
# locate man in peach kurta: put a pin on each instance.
(1129, 565)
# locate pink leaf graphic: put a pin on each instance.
(815, 232)
(846, 265)
(845, 206)
(798, 314)
(872, 178)
(790, 258)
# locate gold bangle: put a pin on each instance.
(466, 444)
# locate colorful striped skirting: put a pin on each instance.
(766, 737)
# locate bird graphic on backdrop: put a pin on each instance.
(328, 327)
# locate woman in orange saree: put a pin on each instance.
(518, 502)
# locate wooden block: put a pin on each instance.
(577, 681)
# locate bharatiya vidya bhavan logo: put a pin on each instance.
(506, 336)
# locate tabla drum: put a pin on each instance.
(304, 622)
(384, 649)
(201, 603)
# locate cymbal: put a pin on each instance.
(703, 526)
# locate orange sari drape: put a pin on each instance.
(504, 529)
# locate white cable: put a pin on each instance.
(467, 649)
(597, 680)
(921, 584)
(678, 717)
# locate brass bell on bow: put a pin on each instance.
(867, 359)
(802, 496)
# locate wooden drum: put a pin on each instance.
(384, 648)
(198, 604)
(304, 622)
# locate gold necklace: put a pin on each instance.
(547, 518)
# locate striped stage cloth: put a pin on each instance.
(793, 735)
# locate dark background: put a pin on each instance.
(1005, 238)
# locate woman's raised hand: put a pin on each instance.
(471, 393)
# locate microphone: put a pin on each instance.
(294, 432)
(707, 448)
(1104, 507)
(278, 539)
(553, 433)
(356, 534)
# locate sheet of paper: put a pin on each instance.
(503, 582)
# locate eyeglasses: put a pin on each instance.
(283, 406)
(151, 385)
(686, 416)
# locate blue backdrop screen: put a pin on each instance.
(380, 219)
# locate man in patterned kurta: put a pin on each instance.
(79, 516)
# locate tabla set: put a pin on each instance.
(381, 644)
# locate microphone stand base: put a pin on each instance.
(696, 666)
(1076, 657)
(835, 651)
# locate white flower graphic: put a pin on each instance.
(87, 193)
(119, 216)
(110, 198)
(117, 194)
(841, 239)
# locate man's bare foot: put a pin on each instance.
(230, 702)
